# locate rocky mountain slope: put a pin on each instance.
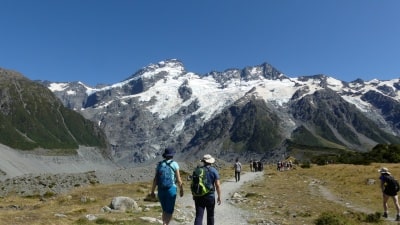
(256, 111)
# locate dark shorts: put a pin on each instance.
(386, 192)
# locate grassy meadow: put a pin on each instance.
(303, 195)
(298, 196)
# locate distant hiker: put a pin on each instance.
(204, 194)
(389, 187)
(255, 166)
(251, 165)
(259, 166)
(166, 176)
(238, 168)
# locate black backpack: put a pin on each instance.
(392, 185)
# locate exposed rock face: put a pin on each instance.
(255, 112)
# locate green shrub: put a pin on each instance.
(373, 218)
(306, 165)
(331, 218)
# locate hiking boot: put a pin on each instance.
(398, 218)
(385, 215)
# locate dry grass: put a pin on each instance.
(72, 208)
(290, 197)
(300, 196)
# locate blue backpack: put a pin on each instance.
(165, 175)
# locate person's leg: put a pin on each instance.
(210, 206)
(200, 206)
(167, 200)
(396, 204)
(238, 176)
(385, 206)
(166, 218)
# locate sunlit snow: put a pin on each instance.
(70, 92)
(213, 97)
(58, 86)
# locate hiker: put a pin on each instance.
(238, 168)
(259, 166)
(207, 201)
(251, 165)
(388, 191)
(290, 165)
(166, 183)
(255, 166)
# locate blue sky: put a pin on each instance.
(104, 41)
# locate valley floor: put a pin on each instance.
(294, 197)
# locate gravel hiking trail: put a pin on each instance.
(226, 213)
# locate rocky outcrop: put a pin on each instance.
(123, 204)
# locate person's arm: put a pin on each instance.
(382, 184)
(153, 187)
(180, 183)
(218, 188)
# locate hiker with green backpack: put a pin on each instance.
(166, 176)
(205, 181)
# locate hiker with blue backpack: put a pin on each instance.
(166, 177)
(205, 181)
(389, 187)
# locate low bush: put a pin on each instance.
(331, 218)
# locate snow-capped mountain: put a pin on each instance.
(255, 112)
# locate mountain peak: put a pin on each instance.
(10, 75)
(171, 66)
(166, 64)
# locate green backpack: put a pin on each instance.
(201, 182)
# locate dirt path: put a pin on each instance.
(318, 189)
(328, 195)
(226, 213)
